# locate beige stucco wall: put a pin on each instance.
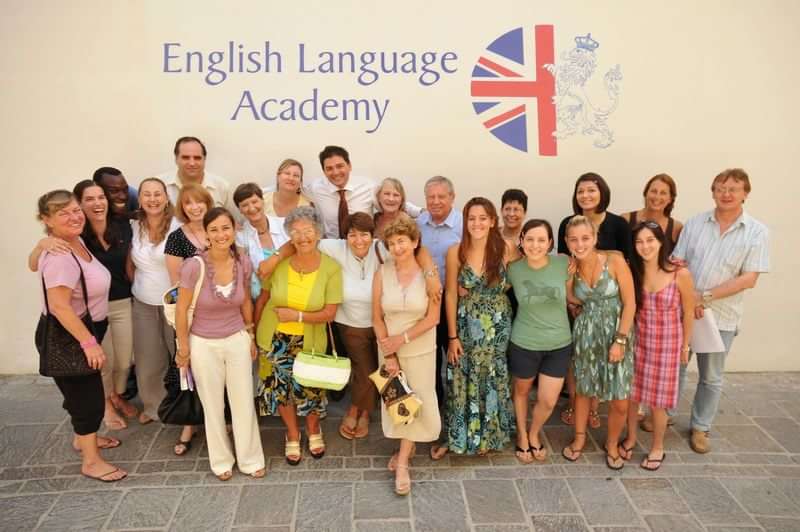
(707, 85)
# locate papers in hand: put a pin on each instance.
(187, 382)
(705, 334)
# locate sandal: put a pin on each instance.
(402, 486)
(568, 416)
(106, 443)
(574, 454)
(438, 452)
(292, 448)
(594, 419)
(362, 428)
(127, 409)
(392, 465)
(103, 477)
(182, 447)
(523, 452)
(114, 422)
(611, 462)
(347, 428)
(226, 476)
(539, 453)
(647, 461)
(625, 452)
(260, 473)
(316, 442)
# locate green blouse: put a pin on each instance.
(327, 290)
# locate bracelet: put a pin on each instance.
(248, 326)
(91, 342)
(451, 338)
(428, 273)
(300, 316)
(390, 355)
(405, 338)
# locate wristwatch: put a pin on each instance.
(707, 297)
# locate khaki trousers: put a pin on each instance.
(154, 345)
(118, 346)
(219, 364)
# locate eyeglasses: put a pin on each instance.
(728, 190)
(308, 233)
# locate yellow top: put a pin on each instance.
(300, 286)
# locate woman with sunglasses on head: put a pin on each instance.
(659, 200)
(603, 359)
(288, 193)
(664, 319)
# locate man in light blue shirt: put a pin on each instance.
(726, 250)
(440, 226)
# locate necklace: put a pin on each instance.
(591, 272)
(198, 239)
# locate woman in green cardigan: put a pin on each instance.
(295, 305)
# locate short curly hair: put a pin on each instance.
(304, 212)
(403, 225)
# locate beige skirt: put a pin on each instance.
(420, 373)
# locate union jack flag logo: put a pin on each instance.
(510, 82)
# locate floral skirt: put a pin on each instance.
(276, 384)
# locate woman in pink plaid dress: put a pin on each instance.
(665, 312)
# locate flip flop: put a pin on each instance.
(572, 451)
(568, 416)
(610, 461)
(115, 424)
(518, 450)
(110, 443)
(347, 427)
(624, 452)
(594, 419)
(539, 453)
(102, 478)
(647, 461)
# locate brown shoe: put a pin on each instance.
(647, 423)
(699, 442)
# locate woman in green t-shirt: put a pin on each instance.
(541, 341)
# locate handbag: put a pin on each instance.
(60, 353)
(179, 407)
(319, 370)
(170, 298)
(402, 404)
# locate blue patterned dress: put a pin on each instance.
(479, 415)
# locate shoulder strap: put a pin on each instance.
(83, 289)
(199, 284)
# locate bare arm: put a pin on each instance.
(50, 244)
(676, 231)
(686, 289)
(58, 299)
(433, 283)
(454, 347)
(130, 267)
(378, 323)
(185, 296)
(734, 286)
(626, 292)
(325, 315)
(173, 268)
(267, 266)
(247, 315)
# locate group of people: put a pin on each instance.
(475, 307)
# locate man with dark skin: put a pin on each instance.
(122, 198)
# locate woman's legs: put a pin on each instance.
(626, 450)
(617, 416)
(573, 451)
(154, 346)
(520, 396)
(402, 478)
(547, 394)
(83, 400)
(660, 418)
(360, 345)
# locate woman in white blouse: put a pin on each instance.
(153, 337)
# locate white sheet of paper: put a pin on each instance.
(705, 335)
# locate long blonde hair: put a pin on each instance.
(166, 220)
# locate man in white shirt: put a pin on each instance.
(726, 250)
(340, 194)
(190, 160)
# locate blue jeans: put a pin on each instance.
(710, 367)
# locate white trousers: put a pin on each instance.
(217, 364)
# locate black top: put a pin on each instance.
(613, 234)
(179, 245)
(668, 233)
(115, 256)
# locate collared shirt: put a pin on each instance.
(357, 274)
(247, 238)
(360, 195)
(714, 258)
(439, 237)
(218, 187)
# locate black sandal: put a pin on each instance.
(610, 465)
(519, 449)
(647, 460)
(628, 452)
(185, 445)
(572, 450)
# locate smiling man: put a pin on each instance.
(726, 250)
(339, 194)
(123, 198)
(190, 160)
